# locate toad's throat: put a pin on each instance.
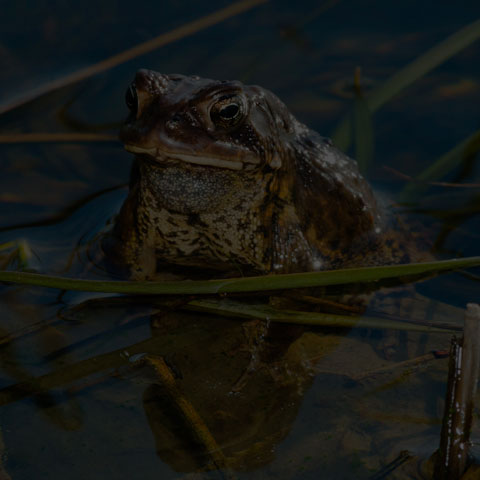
(162, 155)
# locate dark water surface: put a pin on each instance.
(276, 401)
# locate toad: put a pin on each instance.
(226, 179)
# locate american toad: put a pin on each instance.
(226, 178)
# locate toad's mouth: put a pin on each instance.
(161, 156)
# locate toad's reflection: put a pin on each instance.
(245, 384)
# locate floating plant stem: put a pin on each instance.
(451, 460)
(410, 364)
(409, 272)
(243, 310)
(188, 413)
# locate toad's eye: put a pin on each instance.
(227, 112)
(131, 98)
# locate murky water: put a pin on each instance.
(247, 400)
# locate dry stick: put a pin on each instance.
(56, 137)
(425, 182)
(76, 371)
(187, 411)
(403, 457)
(411, 363)
(22, 332)
(164, 39)
(463, 370)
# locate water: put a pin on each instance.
(286, 405)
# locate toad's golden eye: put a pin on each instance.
(227, 111)
(131, 98)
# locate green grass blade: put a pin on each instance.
(409, 74)
(363, 134)
(245, 284)
(440, 168)
(342, 135)
(262, 311)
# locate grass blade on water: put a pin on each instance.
(231, 308)
(246, 284)
(363, 131)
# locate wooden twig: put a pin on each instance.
(451, 460)
(84, 368)
(425, 182)
(188, 413)
(40, 137)
(407, 364)
(403, 457)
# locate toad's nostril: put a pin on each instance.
(173, 123)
